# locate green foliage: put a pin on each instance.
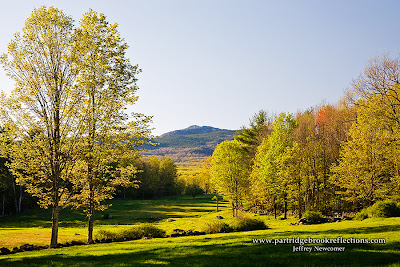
(193, 190)
(42, 109)
(238, 224)
(217, 227)
(66, 114)
(137, 232)
(381, 209)
(259, 129)
(315, 217)
(248, 224)
(267, 165)
(105, 234)
(230, 170)
(156, 177)
(366, 168)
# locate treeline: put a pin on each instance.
(13, 197)
(329, 158)
(156, 177)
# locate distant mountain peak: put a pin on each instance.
(193, 142)
(193, 129)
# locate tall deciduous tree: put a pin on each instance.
(368, 168)
(107, 85)
(230, 171)
(267, 166)
(42, 109)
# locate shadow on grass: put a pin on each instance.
(222, 255)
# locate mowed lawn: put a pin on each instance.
(225, 249)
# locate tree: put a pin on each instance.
(42, 109)
(205, 175)
(150, 178)
(295, 172)
(230, 170)
(259, 129)
(367, 170)
(11, 191)
(267, 165)
(107, 85)
(67, 111)
(368, 167)
(167, 177)
(193, 190)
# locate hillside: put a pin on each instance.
(189, 145)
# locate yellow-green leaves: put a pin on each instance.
(67, 110)
(230, 170)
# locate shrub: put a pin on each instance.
(381, 209)
(217, 227)
(144, 230)
(362, 215)
(248, 224)
(136, 232)
(104, 234)
(239, 224)
(314, 217)
(193, 190)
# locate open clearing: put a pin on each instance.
(225, 249)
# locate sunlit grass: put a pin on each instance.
(231, 249)
(227, 249)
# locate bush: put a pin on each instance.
(136, 232)
(145, 230)
(362, 215)
(239, 224)
(381, 209)
(248, 224)
(314, 217)
(193, 190)
(217, 227)
(104, 234)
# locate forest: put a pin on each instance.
(329, 158)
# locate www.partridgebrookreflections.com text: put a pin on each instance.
(299, 243)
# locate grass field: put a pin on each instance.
(225, 249)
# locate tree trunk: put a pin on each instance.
(237, 208)
(233, 210)
(90, 226)
(4, 204)
(299, 207)
(15, 197)
(275, 210)
(21, 197)
(56, 170)
(285, 210)
(54, 225)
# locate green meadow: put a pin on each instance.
(223, 249)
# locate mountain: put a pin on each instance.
(194, 129)
(191, 144)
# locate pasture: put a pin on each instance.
(223, 249)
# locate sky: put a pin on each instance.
(217, 62)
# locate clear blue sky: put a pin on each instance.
(216, 63)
